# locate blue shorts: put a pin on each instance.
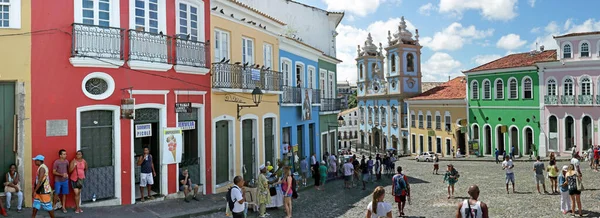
(287, 195)
(37, 204)
(510, 177)
(61, 188)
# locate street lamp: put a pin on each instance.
(256, 98)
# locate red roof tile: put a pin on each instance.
(578, 34)
(517, 60)
(453, 89)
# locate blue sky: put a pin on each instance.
(458, 34)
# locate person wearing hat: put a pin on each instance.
(42, 189)
(451, 177)
(264, 196)
(323, 172)
(565, 201)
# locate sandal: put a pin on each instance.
(64, 210)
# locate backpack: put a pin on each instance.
(456, 172)
(230, 202)
(400, 185)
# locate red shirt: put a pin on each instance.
(596, 154)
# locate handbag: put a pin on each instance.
(79, 182)
(272, 191)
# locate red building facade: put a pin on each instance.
(88, 55)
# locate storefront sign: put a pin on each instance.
(143, 130)
(57, 127)
(234, 99)
(172, 145)
(306, 103)
(183, 107)
(463, 129)
(186, 125)
(128, 108)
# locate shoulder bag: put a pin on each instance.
(79, 182)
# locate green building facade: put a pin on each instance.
(330, 104)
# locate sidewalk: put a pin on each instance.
(492, 159)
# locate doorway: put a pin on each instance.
(377, 141)
(222, 154)
(429, 143)
(500, 139)
(300, 141)
(311, 138)
(438, 145)
(488, 140)
(413, 141)
(448, 147)
(7, 127)
(462, 142)
(248, 150)
(529, 141)
(97, 144)
(190, 159)
(269, 141)
(514, 140)
(569, 133)
(421, 144)
(586, 127)
(146, 129)
(553, 135)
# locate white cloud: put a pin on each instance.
(439, 66)
(426, 9)
(454, 37)
(484, 59)
(531, 3)
(349, 37)
(510, 42)
(350, 18)
(551, 27)
(358, 7)
(535, 30)
(569, 26)
(489, 9)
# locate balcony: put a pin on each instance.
(585, 99)
(235, 76)
(294, 95)
(95, 45)
(551, 99)
(191, 56)
(331, 104)
(149, 51)
(567, 99)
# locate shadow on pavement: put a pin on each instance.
(412, 180)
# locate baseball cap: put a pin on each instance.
(39, 157)
(565, 168)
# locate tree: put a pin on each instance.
(352, 101)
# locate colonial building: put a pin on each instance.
(504, 103)
(438, 120)
(348, 131)
(382, 110)
(15, 91)
(245, 124)
(111, 53)
(571, 97)
(345, 90)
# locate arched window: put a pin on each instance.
(551, 87)
(586, 86)
(410, 65)
(585, 50)
(499, 89)
(360, 71)
(527, 89)
(513, 87)
(373, 66)
(486, 89)
(474, 90)
(568, 87)
(393, 60)
(567, 51)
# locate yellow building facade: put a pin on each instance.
(438, 120)
(245, 53)
(15, 93)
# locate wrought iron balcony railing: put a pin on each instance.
(291, 95)
(551, 99)
(331, 104)
(150, 47)
(598, 99)
(567, 99)
(316, 96)
(235, 76)
(97, 42)
(192, 53)
(585, 99)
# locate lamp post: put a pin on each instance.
(256, 98)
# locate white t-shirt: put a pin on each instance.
(236, 195)
(382, 209)
(348, 169)
(313, 160)
(575, 163)
(508, 164)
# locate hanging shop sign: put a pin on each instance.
(128, 108)
(183, 107)
(143, 130)
(186, 125)
(172, 145)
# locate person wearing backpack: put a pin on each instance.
(400, 189)
(235, 198)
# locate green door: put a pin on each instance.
(222, 151)
(248, 150)
(191, 157)
(97, 145)
(311, 138)
(7, 128)
(300, 142)
(269, 140)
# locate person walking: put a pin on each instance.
(287, 191)
(60, 170)
(147, 173)
(378, 167)
(496, 153)
(42, 189)
(436, 164)
(348, 172)
(507, 166)
(450, 178)
(573, 181)
(552, 175)
(79, 165)
(596, 157)
(315, 171)
(512, 152)
(377, 208)
(304, 170)
(565, 200)
(237, 197)
(400, 189)
(333, 166)
(264, 196)
(370, 166)
(364, 167)
(538, 169)
(472, 207)
(323, 172)
(356, 174)
(13, 187)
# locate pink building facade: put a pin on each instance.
(570, 94)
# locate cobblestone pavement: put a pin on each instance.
(429, 196)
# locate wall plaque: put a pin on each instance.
(57, 127)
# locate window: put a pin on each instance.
(486, 89)
(499, 89)
(512, 83)
(527, 90)
(474, 90)
(448, 123)
(191, 20)
(360, 71)
(567, 51)
(428, 121)
(247, 51)
(586, 86)
(413, 120)
(268, 55)
(568, 86)
(331, 87)
(286, 71)
(393, 60)
(311, 79)
(585, 50)
(10, 14)
(551, 87)
(146, 15)
(221, 45)
(410, 65)
(438, 121)
(322, 79)
(300, 75)
(93, 12)
(420, 121)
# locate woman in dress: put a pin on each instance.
(264, 196)
(382, 209)
(77, 169)
(323, 172)
(451, 177)
(574, 193)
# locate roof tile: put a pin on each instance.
(453, 89)
(517, 60)
(578, 34)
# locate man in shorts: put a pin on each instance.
(400, 191)
(61, 180)
(507, 166)
(348, 172)
(147, 173)
(538, 168)
(304, 170)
